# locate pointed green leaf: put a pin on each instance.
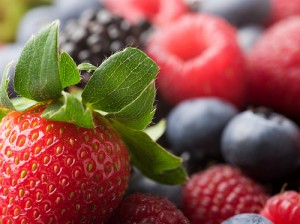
(139, 113)
(150, 158)
(69, 74)
(157, 130)
(71, 110)
(119, 80)
(4, 98)
(37, 71)
(86, 67)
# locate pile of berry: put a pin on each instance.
(228, 89)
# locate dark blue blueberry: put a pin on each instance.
(248, 35)
(65, 10)
(142, 184)
(9, 53)
(264, 144)
(196, 125)
(237, 12)
(247, 218)
(34, 20)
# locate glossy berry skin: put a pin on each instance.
(219, 192)
(237, 12)
(247, 218)
(148, 208)
(283, 9)
(212, 64)
(259, 140)
(283, 208)
(196, 125)
(272, 78)
(55, 172)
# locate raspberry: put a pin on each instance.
(148, 208)
(282, 9)
(198, 55)
(274, 69)
(283, 208)
(221, 191)
(158, 12)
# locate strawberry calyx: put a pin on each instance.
(121, 91)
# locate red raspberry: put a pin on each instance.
(283, 208)
(274, 69)
(198, 55)
(282, 9)
(148, 208)
(159, 12)
(221, 191)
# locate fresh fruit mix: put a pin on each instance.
(150, 111)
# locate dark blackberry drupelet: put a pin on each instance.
(97, 34)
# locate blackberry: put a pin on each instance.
(97, 34)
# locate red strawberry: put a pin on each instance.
(282, 9)
(148, 208)
(221, 191)
(198, 55)
(283, 208)
(274, 69)
(53, 170)
(158, 12)
(64, 156)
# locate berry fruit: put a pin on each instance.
(237, 12)
(212, 64)
(259, 140)
(283, 208)
(51, 169)
(148, 208)
(247, 218)
(272, 78)
(158, 12)
(219, 192)
(196, 125)
(283, 9)
(97, 34)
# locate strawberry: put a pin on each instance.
(283, 208)
(148, 208)
(158, 12)
(211, 64)
(65, 157)
(219, 192)
(52, 169)
(272, 78)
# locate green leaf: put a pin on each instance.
(4, 98)
(71, 110)
(119, 80)
(37, 71)
(69, 74)
(157, 130)
(139, 113)
(150, 158)
(21, 103)
(86, 67)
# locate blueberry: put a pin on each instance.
(9, 53)
(196, 125)
(237, 12)
(264, 144)
(34, 20)
(64, 11)
(142, 184)
(248, 35)
(247, 218)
